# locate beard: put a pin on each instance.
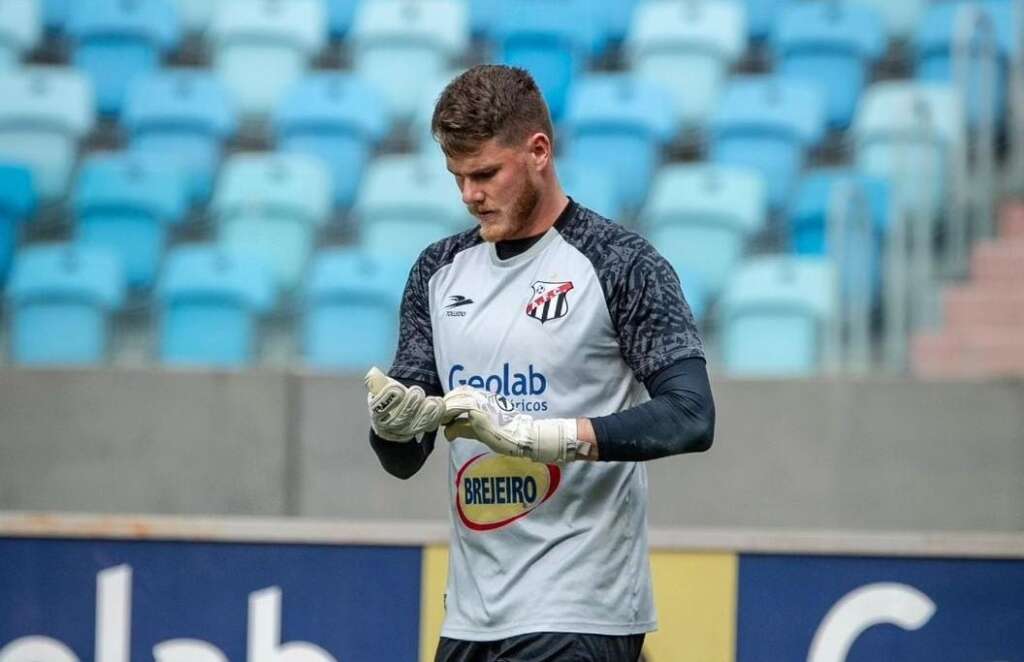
(516, 219)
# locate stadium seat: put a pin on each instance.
(210, 301)
(45, 111)
(21, 25)
(407, 203)
(61, 298)
(116, 41)
(337, 118)
(768, 123)
(614, 19)
(431, 92)
(688, 48)
(270, 206)
(195, 15)
(775, 314)
(17, 202)
(55, 14)
(262, 47)
(762, 14)
(700, 218)
(341, 14)
(350, 311)
(900, 18)
(401, 46)
(907, 133)
(831, 44)
(125, 203)
(592, 185)
(622, 121)
(184, 116)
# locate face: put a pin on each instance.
(500, 186)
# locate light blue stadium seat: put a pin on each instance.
(55, 14)
(350, 312)
(906, 133)
(592, 185)
(116, 41)
(195, 15)
(695, 292)
(762, 14)
(262, 47)
(935, 40)
(44, 113)
(688, 48)
(900, 18)
(768, 123)
(775, 315)
(420, 128)
(407, 203)
(341, 14)
(21, 25)
(338, 118)
(622, 121)
(183, 116)
(210, 301)
(61, 298)
(614, 19)
(270, 206)
(401, 46)
(17, 202)
(700, 218)
(832, 44)
(126, 203)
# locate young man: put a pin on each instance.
(567, 356)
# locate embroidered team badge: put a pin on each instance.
(549, 301)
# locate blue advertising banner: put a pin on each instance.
(121, 601)
(847, 609)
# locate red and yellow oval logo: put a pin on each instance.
(495, 490)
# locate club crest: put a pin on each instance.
(549, 301)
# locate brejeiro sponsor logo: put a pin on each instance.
(496, 490)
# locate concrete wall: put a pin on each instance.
(796, 454)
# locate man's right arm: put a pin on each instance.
(404, 459)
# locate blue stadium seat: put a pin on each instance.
(210, 302)
(762, 14)
(61, 298)
(695, 292)
(407, 203)
(262, 47)
(900, 18)
(17, 202)
(622, 121)
(270, 206)
(21, 25)
(689, 48)
(935, 41)
(338, 118)
(832, 44)
(55, 14)
(341, 14)
(768, 123)
(592, 185)
(350, 312)
(116, 41)
(125, 203)
(775, 315)
(195, 15)
(184, 116)
(614, 19)
(907, 133)
(404, 45)
(45, 111)
(429, 95)
(700, 218)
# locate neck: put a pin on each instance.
(545, 214)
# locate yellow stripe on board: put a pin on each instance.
(435, 575)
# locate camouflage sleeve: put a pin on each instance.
(414, 357)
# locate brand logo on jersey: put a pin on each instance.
(549, 300)
(457, 301)
(495, 490)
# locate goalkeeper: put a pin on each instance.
(557, 352)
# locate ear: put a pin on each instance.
(539, 147)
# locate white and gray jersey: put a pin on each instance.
(569, 328)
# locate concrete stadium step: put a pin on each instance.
(988, 305)
(999, 261)
(983, 352)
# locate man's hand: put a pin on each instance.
(488, 418)
(400, 413)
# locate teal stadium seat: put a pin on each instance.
(44, 113)
(61, 298)
(270, 205)
(689, 48)
(126, 204)
(210, 302)
(775, 315)
(184, 116)
(832, 44)
(900, 18)
(262, 47)
(402, 46)
(116, 41)
(625, 122)
(907, 133)
(761, 16)
(700, 217)
(768, 123)
(21, 26)
(420, 128)
(350, 311)
(17, 202)
(591, 184)
(341, 14)
(407, 203)
(194, 16)
(337, 118)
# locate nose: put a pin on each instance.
(471, 193)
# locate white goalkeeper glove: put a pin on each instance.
(399, 412)
(488, 418)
